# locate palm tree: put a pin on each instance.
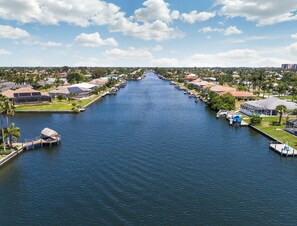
(12, 133)
(6, 109)
(281, 109)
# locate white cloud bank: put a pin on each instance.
(94, 40)
(263, 12)
(151, 22)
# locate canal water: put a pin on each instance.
(148, 156)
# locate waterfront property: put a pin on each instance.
(26, 96)
(266, 106)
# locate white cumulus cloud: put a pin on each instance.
(263, 12)
(232, 30)
(196, 16)
(12, 32)
(156, 10)
(94, 40)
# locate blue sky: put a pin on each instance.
(148, 33)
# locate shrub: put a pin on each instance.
(60, 97)
(255, 120)
(75, 110)
(2, 152)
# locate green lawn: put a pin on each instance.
(277, 131)
(64, 105)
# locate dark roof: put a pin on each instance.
(293, 121)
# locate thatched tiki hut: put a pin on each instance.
(49, 134)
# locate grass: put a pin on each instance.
(277, 131)
(63, 105)
(4, 154)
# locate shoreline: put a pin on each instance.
(250, 126)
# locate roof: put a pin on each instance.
(209, 85)
(26, 90)
(272, 103)
(8, 93)
(60, 90)
(239, 94)
(99, 81)
(196, 80)
(293, 121)
(49, 133)
(76, 89)
(219, 88)
(84, 85)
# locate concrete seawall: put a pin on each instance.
(10, 156)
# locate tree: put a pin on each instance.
(75, 77)
(6, 109)
(255, 119)
(60, 97)
(221, 102)
(281, 110)
(12, 133)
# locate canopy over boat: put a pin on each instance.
(46, 132)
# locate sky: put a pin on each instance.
(148, 33)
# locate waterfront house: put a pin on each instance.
(26, 96)
(11, 85)
(266, 106)
(71, 91)
(190, 77)
(60, 91)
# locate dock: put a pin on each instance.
(283, 149)
(48, 137)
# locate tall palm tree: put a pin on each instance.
(281, 109)
(12, 133)
(6, 109)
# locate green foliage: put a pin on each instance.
(255, 119)
(75, 110)
(60, 97)
(181, 80)
(12, 133)
(281, 110)
(6, 152)
(75, 77)
(221, 102)
(111, 82)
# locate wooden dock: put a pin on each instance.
(38, 143)
(283, 150)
